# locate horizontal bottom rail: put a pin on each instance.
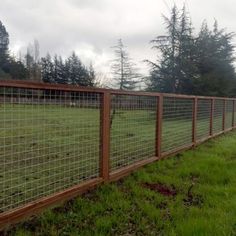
(202, 140)
(32, 208)
(177, 150)
(115, 175)
(16, 215)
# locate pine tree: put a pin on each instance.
(174, 70)
(47, 69)
(4, 43)
(59, 75)
(123, 69)
(214, 60)
(76, 71)
(187, 70)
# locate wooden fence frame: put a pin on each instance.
(15, 215)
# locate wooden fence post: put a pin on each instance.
(159, 125)
(212, 115)
(194, 121)
(224, 107)
(105, 136)
(233, 117)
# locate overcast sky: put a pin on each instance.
(91, 27)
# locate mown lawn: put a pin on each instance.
(192, 193)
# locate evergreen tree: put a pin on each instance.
(186, 68)
(47, 69)
(191, 64)
(214, 60)
(15, 69)
(59, 74)
(123, 69)
(10, 67)
(4, 43)
(76, 71)
(174, 70)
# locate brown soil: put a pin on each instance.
(161, 188)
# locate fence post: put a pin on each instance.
(224, 107)
(159, 125)
(194, 121)
(212, 116)
(233, 110)
(105, 135)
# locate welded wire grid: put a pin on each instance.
(133, 129)
(177, 123)
(228, 114)
(218, 116)
(203, 118)
(49, 141)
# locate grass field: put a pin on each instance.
(45, 149)
(48, 148)
(192, 193)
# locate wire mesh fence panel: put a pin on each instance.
(218, 116)
(228, 114)
(203, 118)
(133, 129)
(176, 123)
(49, 142)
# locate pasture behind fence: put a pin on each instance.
(57, 141)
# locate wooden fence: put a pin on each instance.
(58, 141)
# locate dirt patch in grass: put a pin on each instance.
(161, 188)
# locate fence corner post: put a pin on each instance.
(159, 125)
(105, 135)
(194, 122)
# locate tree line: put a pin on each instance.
(201, 64)
(187, 62)
(47, 69)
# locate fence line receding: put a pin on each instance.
(56, 141)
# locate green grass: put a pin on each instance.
(127, 207)
(45, 149)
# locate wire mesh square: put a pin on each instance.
(177, 123)
(218, 116)
(228, 114)
(133, 129)
(203, 118)
(49, 142)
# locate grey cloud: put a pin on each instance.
(91, 27)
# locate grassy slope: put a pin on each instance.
(128, 208)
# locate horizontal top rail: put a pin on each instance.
(25, 84)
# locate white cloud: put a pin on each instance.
(91, 27)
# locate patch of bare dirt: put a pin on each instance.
(161, 188)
